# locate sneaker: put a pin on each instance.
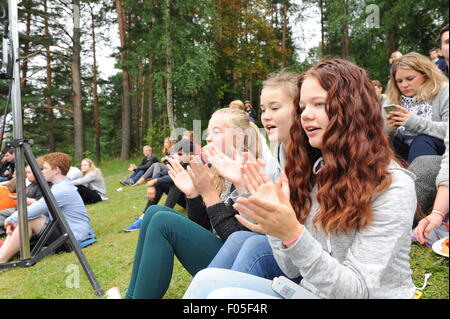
(135, 226)
(113, 293)
(128, 182)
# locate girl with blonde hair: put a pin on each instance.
(247, 251)
(340, 216)
(91, 184)
(419, 91)
(194, 240)
(237, 104)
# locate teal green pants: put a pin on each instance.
(163, 234)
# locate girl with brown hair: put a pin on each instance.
(341, 215)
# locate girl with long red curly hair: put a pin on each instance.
(342, 213)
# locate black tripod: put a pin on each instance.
(22, 148)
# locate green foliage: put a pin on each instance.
(156, 134)
(221, 51)
(408, 25)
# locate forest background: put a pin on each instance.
(179, 60)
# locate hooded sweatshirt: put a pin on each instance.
(372, 262)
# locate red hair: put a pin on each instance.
(356, 151)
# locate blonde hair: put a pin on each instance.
(238, 119)
(284, 79)
(92, 168)
(166, 150)
(433, 78)
(237, 104)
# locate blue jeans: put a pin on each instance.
(420, 146)
(135, 176)
(211, 280)
(248, 252)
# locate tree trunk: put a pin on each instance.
(322, 29)
(345, 40)
(283, 37)
(76, 84)
(169, 66)
(26, 44)
(126, 104)
(392, 40)
(151, 106)
(94, 90)
(235, 79)
(141, 111)
(139, 104)
(49, 110)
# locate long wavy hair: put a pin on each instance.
(356, 151)
(434, 79)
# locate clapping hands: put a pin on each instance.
(201, 176)
(181, 179)
(229, 168)
(269, 206)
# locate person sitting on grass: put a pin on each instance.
(420, 92)
(248, 251)
(138, 171)
(162, 183)
(34, 193)
(91, 184)
(7, 166)
(429, 186)
(55, 167)
(341, 214)
(7, 194)
(154, 170)
(194, 240)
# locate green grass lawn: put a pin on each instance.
(111, 258)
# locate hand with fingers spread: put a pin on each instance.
(228, 168)
(277, 218)
(254, 175)
(201, 176)
(181, 179)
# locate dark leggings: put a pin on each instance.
(88, 195)
(174, 196)
(165, 233)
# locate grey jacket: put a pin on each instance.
(442, 178)
(92, 181)
(368, 263)
(435, 127)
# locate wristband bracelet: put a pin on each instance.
(442, 214)
(289, 243)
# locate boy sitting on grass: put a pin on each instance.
(55, 168)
